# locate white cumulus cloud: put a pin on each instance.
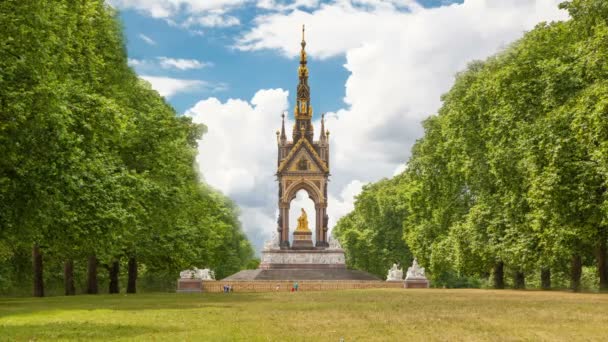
(202, 13)
(212, 20)
(167, 86)
(170, 8)
(181, 64)
(167, 63)
(237, 154)
(276, 5)
(147, 39)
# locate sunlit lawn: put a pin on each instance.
(357, 315)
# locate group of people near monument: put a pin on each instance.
(294, 288)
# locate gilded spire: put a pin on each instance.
(303, 69)
(303, 109)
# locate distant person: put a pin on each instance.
(277, 288)
(295, 286)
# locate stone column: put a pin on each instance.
(284, 210)
(318, 224)
(324, 220)
(321, 226)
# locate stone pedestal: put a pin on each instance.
(421, 283)
(189, 285)
(314, 263)
(302, 240)
(303, 259)
(415, 278)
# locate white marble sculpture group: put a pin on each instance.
(273, 243)
(334, 243)
(197, 273)
(394, 273)
(414, 272)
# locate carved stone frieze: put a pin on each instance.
(303, 257)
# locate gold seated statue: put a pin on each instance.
(302, 236)
(303, 222)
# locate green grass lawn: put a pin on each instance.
(356, 315)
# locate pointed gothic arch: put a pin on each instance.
(313, 190)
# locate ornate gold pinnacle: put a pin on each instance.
(303, 109)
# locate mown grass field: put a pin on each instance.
(357, 315)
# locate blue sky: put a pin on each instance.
(239, 73)
(377, 67)
(242, 73)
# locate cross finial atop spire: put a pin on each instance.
(303, 52)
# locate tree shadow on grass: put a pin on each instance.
(168, 301)
(76, 331)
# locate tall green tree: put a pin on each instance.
(510, 176)
(372, 233)
(95, 165)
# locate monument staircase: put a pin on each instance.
(302, 274)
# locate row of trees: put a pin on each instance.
(94, 165)
(511, 176)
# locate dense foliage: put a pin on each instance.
(372, 233)
(94, 164)
(511, 175)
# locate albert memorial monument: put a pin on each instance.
(302, 164)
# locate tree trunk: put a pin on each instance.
(576, 270)
(602, 268)
(545, 278)
(132, 282)
(68, 277)
(114, 271)
(37, 266)
(519, 280)
(498, 275)
(92, 275)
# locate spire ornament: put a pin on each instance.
(303, 109)
(283, 137)
(323, 137)
(303, 53)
